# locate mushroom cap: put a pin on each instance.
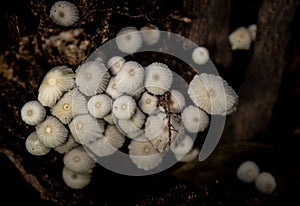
(86, 128)
(253, 30)
(99, 105)
(177, 101)
(92, 77)
(200, 55)
(51, 132)
(57, 81)
(115, 64)
(247, 171)
(190, 156)
(71, 104)
(194, 119)
(76, 180)
(64, 13)
(133, 127)
(265, 183)
(33, 113)
(240, 39)
(78, 160)
(124, 107)
(148, 103)
(160, 133)
(130, 78)
(212, 94)
(150, 34)
(35, 146)
(183, 147)
(129, 40)
(110, 143)
(158, 78)
(67, 146)
(112, 90)
(144, 155)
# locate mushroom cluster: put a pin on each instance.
(103, 106)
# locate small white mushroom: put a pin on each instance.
(240, 39)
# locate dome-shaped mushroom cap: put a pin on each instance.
(253, 30)
(71, 104)
(110, 143)
(265, 183)
(57, 81)
(148, 103)
(130, 78)
(150, 34)
(99, 105)
(160, 133)
(240, 39)
(183, 147)
(177, 101)
(35, 146)
(92, 77)
(78, 160)
(190, 156)
(133, 126)
(124, 107)
(158, 78)
(86, 128)
(112, 90)
(144, 155)
(247, 171)
(212, 94)
(129, 40)
(200, 55)
(51, 132)
(76, 180)
(67, 146)
(33, 113)
(194, 119)
(64, 13)
(115, 64)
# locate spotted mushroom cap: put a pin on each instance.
(64, 13)
(33, 113)
(112, 90)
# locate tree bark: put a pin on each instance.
(210, 27)
(260, 88)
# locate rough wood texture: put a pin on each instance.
(210, 27)
(260, 87)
